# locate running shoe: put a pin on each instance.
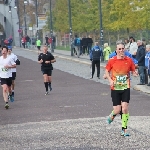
(6, 106)
(110, 118)
(11, 98)
(123, 133)
(46, 93)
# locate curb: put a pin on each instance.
(142, 88)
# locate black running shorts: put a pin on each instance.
(47, 71)
(13, 75)
(119, 96)
(38, 47)
(7, 81)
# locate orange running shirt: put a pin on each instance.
(120, 72)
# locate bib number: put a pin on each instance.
(4, 69)
(121, 82)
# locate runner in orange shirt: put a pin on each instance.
(117, 72)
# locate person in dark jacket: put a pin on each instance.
(90, 42)
(140, 56)
(95, 55)
(85, 45)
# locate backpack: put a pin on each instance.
(78, 41)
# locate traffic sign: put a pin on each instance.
(19, 30)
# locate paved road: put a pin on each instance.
(72, 117)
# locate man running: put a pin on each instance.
(46, 59)
(38, 44)
(14, 58)
(5, 70)
(117, 72)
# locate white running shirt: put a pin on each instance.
(6, 72)
(14, 58)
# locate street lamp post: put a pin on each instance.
(36, 13)
(25, 22)
(10, 11)
(101, 27)
(17, 5)
(51, 27)
(70, 26)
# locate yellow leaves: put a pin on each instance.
(117, 15)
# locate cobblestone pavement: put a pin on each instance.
(73, 116)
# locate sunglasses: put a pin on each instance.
(121, 48)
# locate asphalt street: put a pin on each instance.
(72, 117)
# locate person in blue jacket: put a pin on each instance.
(147, 61)
(95, 55)
(126, 54)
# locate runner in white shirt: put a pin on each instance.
(5, 71)
(14, 58)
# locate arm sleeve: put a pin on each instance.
(112, 54)
(129, 55)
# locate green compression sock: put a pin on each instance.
(125, 118)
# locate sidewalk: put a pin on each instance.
(85, 60)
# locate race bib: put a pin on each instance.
(4, 69)
(121, 83)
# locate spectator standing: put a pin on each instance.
(144, 43)
(106, 52)
(10, 40)
(6, 42)
(140, 56)
(95, 55)
(147, 61)
(77, 45)
(73, 46)
(27, 41)
(85, 45)
(81, 47)
(89, 43)
(50, 40)
(127, 44)
(23, 41)
(133, 47)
